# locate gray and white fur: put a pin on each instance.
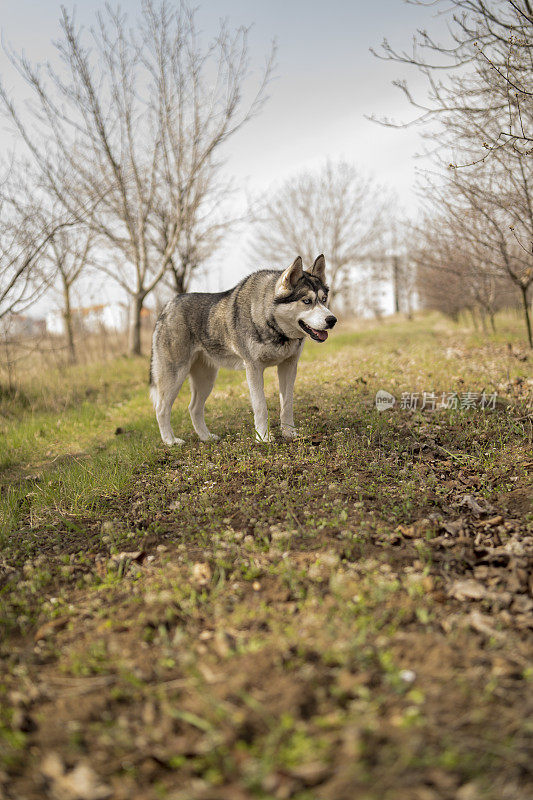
(261, 322)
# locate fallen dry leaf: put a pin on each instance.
(467, 589)
(476, 506)
(312, 773)
(482, 623)
(416, 530)
(133, 555)
(201, 573)
(80, 783)
(454, 527)
(50, 628)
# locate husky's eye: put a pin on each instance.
(307, 301)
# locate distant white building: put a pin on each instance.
(21, 326)
(92, 319)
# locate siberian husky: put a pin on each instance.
(261, 322)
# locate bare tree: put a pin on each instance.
(135, 117)
(468, 255)
(456, 271)
(25, 234)
(208, 220)
(18, 290)
(503, 202)
(485, 122)
(483, 72)
(39, 248)
(335, 210)
(66, 261)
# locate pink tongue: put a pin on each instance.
(322, 335)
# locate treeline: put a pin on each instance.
(473, 247)
(119, 169)
(118, 156)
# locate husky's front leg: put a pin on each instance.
(254, 376)
(286, 377)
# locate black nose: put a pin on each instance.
(330, 321)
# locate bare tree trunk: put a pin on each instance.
(69, 326)
(483, 320)
(396, 282)
(523, 290)
(9, 365)
(409, 301)
(179, 283)
(179, 277)
(135, 325)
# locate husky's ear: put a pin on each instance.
(289, 278)
(319, 268)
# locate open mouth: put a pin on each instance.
(318, 336)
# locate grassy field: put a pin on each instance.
(347, 615)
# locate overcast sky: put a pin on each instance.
(326, 82)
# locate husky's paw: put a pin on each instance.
(290, 433)
(264, 439)
(211, 437)
(174, 440)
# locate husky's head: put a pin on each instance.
(300, 298)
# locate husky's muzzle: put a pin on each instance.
(318, 335)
